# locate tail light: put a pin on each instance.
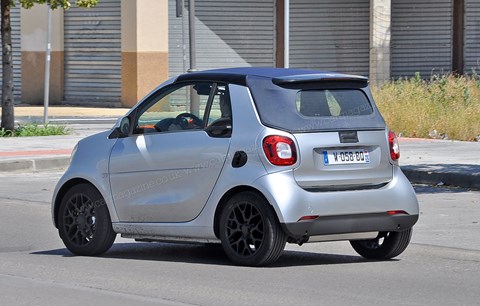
(280, 150)
(394, 147)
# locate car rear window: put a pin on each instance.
(332, 103)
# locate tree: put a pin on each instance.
(8, 117)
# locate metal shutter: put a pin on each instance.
(330, 35)
(93, 58)
(472, 36)
(421, 37)
(229, 33)
(16, 53)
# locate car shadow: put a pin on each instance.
(207, 254)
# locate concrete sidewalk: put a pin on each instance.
(435, 162)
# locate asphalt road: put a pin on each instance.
(440, 267)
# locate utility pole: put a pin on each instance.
(194, 100)
(47, 66)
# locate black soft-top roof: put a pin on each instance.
(274, 92)
(278, 75)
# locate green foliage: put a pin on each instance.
(54, 4)
(33, 129)
(445, 106)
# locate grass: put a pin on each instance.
(34, 129)
(445, 106)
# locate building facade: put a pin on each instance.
(115, 53)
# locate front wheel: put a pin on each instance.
(250, 232)
(385, 246)
(84, 222)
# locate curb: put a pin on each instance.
(462, 180)
(37, 164)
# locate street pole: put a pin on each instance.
(47, 66)
(191, 29)
(194, 100)
(286, 35)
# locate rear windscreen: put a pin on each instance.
(332, 103)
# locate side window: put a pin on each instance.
(220, 110)
(180, 108)
(219, 122)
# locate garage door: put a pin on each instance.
(330, 35)
(421, 37)
(16, 54)
(229, 33)
(93, 54)
(472, 36)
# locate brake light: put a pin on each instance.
(394, 147)
(280, 150)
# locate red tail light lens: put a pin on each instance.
(394, 147)
(280, 150)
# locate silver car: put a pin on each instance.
(251, 158)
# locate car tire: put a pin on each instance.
(84, 222)
(387, 245)
(250, 232)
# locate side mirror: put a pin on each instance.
(121, 128)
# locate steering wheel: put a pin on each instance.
(188, 121)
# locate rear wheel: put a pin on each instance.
(250, 232)
(84, 222)
(385, 246)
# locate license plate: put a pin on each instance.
(344, 157)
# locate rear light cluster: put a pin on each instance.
(394, 147)
(280, 150)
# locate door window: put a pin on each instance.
(184, 107)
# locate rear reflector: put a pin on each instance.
(307, 218)
(396, 212)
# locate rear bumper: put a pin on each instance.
(330, 225)
(338, 212)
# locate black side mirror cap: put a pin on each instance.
(122, 128)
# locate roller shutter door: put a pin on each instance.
(229, 33)
(16, 54)
(472, 36)
(330, 35)
(93, 57)
(421, 37)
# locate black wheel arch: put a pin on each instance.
(227, 196)
(63, 190)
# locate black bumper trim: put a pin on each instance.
(344, 224)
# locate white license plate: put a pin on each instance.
(344, 157)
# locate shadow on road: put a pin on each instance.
(210, 255)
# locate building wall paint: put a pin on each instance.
(34, 44)
(33, 77)
(144, 47)
(141, 73)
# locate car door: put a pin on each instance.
(166, 169)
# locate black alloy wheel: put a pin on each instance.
(250, 232)
(385, 246)
(84, 221)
